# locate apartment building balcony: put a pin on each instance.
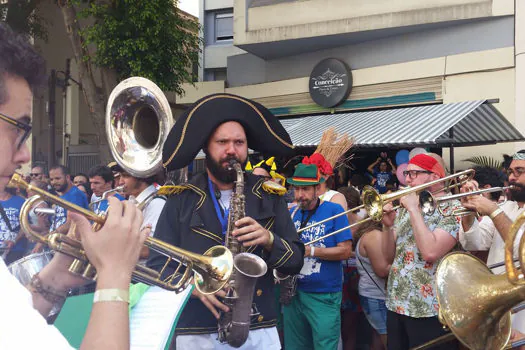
(271, 29)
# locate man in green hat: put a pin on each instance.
(313, 319)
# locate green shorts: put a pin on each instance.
(313, 321)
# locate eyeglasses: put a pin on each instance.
(517, 172)
(34, 174)
(414, 173)
(23, 129)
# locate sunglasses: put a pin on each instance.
(23, 129)
(34, 174)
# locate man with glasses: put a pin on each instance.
(491, 231)
(37, 173)
(414, 244)
(22, 321)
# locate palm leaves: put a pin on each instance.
(485, 161)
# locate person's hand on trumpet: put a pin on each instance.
(477, 202)
(113, 250)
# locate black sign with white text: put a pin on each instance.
(330, 82)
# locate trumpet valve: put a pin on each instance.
(89, 272)
(77, 267)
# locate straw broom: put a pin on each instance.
(332, 147)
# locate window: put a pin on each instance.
(223, 26)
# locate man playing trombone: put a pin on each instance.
(414, 244)
(113, 250)
(491, 231)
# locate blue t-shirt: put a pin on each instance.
(102, 206)
(75, 196)
(322, 276)
(12, 208)
(382, 178)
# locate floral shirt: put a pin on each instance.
(411, 283)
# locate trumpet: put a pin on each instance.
(138, 120)
(429, 203)
(211, 270)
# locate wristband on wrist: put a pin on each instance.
(51, 295)
(119, 295)
(495, 213)
(312, 251)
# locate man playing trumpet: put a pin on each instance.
(491, 231)
(113, 250)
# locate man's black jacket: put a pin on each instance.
(189, 221)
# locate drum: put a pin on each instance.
(24, 269)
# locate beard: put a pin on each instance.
(225, 174)
(518, 192)
(60, 187)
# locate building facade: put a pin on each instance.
(401, 53)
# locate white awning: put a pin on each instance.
(457, 124)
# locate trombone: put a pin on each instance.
(373, 202)
(429, 203)
(211, 270)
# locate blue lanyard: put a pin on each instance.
(222, 218)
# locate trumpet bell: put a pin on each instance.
(212, 277)
(474, 303)
(138, 120)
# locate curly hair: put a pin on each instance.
(18, 59)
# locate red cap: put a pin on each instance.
(428, 163)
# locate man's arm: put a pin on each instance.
(342, 251)
(114, 252)
(286, 251)
(372, 166)
(486, 207)
(432, 244)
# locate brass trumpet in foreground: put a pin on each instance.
(211, 270)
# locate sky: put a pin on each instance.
(190, 6)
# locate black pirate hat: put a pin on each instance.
(264, 132)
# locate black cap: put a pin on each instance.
(188, 136)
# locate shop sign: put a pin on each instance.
(330, 82)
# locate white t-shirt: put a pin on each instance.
(21, 326)
(483, 235)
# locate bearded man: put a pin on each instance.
(196, 218)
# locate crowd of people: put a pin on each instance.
(90, 191)
(336, 265)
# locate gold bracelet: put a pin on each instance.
(495, 213)
(111, 295)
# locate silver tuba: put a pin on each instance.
(234, 326)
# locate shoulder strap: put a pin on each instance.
(368, 273)
(6, 219)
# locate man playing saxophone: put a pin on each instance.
(196, 218)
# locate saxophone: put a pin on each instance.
(234, 325)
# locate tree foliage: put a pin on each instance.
(143, 38)
(485, 161)
(22, 16)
